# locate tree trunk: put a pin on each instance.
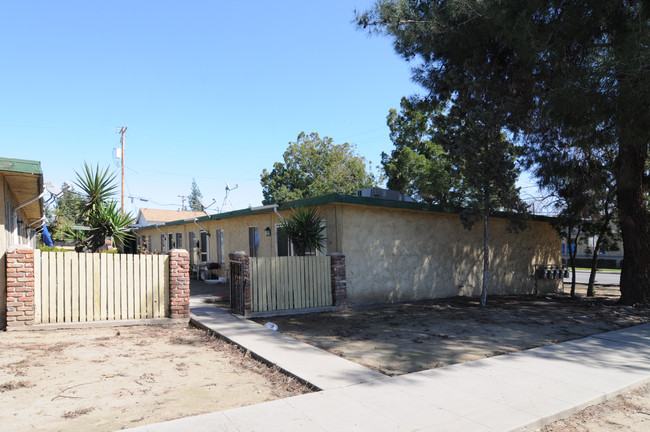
(486, 256)
(572, 259)
(633, 219)
(594, 266)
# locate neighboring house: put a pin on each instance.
(21, 190)
(149, 217)
(154, 216)
(395, 251)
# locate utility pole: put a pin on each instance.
(122, 132)
(182, 197)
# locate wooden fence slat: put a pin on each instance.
(140, 284)
(90, 288)
(73, 268)
(123, 289)
(96, 287)
(163, 287)
(38, 290)
(60, 295)
(151, 266)
(110, 286)
(45, 287)
(81, 262)
(103, 287)
(129, 286)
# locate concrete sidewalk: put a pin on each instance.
(520, 391)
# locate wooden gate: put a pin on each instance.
(71, 287)
(286, 283)
(237, 283)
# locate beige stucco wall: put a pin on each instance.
(397, 255)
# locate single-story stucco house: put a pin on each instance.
(21, 191)
(395, 251)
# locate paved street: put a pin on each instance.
(602, 278)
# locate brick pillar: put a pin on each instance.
(339, 285)
(179, 283)
(243, 284)
(20, 287)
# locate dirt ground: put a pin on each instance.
(106, 379)
(409, 337)
(627, 412)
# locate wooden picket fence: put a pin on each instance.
(284, 283)
(72, 287)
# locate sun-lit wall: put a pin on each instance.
(395, 255)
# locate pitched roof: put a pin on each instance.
(152, 216)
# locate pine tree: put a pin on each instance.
(194, 199)
(550, 69)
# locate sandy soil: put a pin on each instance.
(627, 412)
(409, 337)
(106, 379)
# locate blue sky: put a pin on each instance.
(209, 90)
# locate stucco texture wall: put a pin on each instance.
(398, 255)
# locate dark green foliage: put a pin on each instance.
(315, 166)
(101, 214)
(550, 71)
(67, 212)
(194, 199)
(304, 229)
(97, 186)
(419, 166)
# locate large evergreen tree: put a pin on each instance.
(418, 165)
(194, 199)
(315, 166)
(550, 69)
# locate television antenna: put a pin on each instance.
(54, 190)
(226, 199)
(205, 207)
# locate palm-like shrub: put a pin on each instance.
(304, 229)
(100, 213)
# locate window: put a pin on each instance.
(220, 253)
(179, 240)
(193, 244)
(253, 240)
(162, 242)
(149, 245)
(170, 238)
(204, 246)
(285, 247)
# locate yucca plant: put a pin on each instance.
(100, 213)
(108, 221)
(98, 186)
(304, 229)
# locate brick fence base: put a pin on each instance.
(179, 283)
(20, 287)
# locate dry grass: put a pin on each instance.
(14, 385)
(76, 413)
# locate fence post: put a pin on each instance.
(244, 259)
(179, 283)
(339, 285)
(20, 287)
